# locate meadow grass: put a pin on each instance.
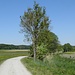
(36, 68)
(69, 52)
(5, 54)
(62, 66)
(56, 66)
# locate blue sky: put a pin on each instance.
(61, 13)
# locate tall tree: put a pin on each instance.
(33, 22)
(47, 44)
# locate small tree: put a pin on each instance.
(67, 47)
(33, 22)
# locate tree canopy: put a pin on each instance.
(33, 22)
(47, 44)
(67, 47)
(49, 39)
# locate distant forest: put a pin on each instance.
(7, 46)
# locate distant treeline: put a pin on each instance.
(7, 46)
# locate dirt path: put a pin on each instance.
(14, 66)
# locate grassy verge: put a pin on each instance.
(56, 66)
(5, 54)
(62, 66)
(36, 68)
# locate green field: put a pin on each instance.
(56, 66)
(5, 54)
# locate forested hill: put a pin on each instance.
(8, 46)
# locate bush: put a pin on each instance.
(41, 51)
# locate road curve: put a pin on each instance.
(14, 66)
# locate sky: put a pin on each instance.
(60, 12)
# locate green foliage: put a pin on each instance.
(47, 43)
(53, 42)
(41, 51)
(49, 39)
(73, 48)
(60, 48)
(56, 66)
(33, 22)
(67, 47)
(31, 51)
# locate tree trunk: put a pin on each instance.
(34, 48)
(34, 54)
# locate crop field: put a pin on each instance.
(5, 54)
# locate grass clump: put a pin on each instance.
(55, 66)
